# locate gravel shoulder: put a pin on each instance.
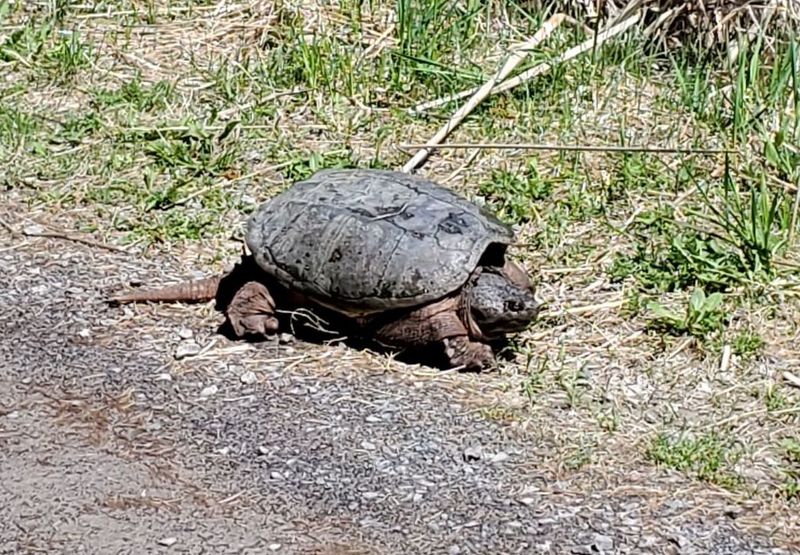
(110, 444)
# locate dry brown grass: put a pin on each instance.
(704, 23)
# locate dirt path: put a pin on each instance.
(111, 445)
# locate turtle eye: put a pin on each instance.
(513, 306)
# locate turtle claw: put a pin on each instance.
(461, 352)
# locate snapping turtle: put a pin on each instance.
(403, 261)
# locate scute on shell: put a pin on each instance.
(364, 241)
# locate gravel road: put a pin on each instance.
(111, 445)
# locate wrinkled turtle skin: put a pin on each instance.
(365, 241)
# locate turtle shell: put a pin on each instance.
(363, 241)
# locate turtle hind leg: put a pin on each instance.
(251, 312)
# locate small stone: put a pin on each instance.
(274, 546)
(164, 377)
(33, 229)
(732, 511)
(276, 475)
(603, 543)
(263, 450)
(367, 445)
(680, 540)
(85, 333)
(473, 453)
(543, 547)
(13, 414)
(285, 338)
(168, 542)
(248, 377)
(527, 501)
(185, 333)
(209, 390)
(188, 349)
(370, 495)
(453, 550)
(224, 451)
(500, 457)
(648, 541)
(417, 498)
(289, 351)
(372, 419)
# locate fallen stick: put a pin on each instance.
(73, 238)
(578, 148)
(539, 69)
(517, 55)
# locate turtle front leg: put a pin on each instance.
(438, 325)
(472, 355)
(251, 311)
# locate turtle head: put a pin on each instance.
(501, 300)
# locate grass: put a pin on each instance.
(709, 457)
(651, 266)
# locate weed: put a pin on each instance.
(791, 485)
(512, 195)
(670, 257)
(709, 457)
(636, 171)
(695, 86)
(791, 456)
(791, 450)
(703, 315)
(135, 95)
(533, 384)
(431, 35)
(579, 455)
(609, 420)
(774, 398)
(25, 43)
(756, 230)
(69, 55)
(16, 128)
(299, 169)
(191, 149)
(499, 414)
(747, 345)
(77, 128)
(574, 383)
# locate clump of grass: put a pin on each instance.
(747, 345)
(702, 316)
(668, 256)
(791, 456)
(300, 168)
(135, 95)
(513, 195)
(755, 229)
(708, 457)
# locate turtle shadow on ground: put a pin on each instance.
(432, 356)
(319, 326)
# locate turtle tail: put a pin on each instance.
(188, 291)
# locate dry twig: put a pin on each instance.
(517, 56)
(578, 148)
(538, 69)
(74, 238)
